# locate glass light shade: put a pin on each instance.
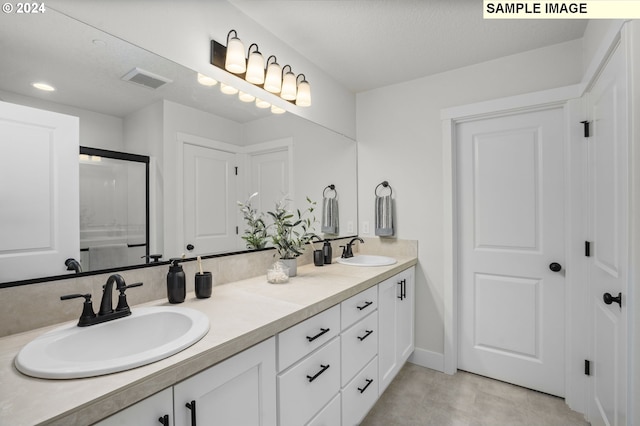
(255, 68)
(205, 80)
(303, 98)
(235, 61)
(228, 90)
(277, 110)
(245, 97)
(288, 87)
(262, 104)
(273, 79)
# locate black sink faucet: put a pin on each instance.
(106, 312)
(347, 251)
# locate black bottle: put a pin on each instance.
(326, 252)
(176, 288)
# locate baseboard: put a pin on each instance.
(428, 359)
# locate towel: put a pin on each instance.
(107, 256)
(384, 216)
(330, 216)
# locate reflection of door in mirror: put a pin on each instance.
(209, 208)
(269, 174)
(38, 192)
(114, 212)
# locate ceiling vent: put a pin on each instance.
(145, 78)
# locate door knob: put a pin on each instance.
(555, 267)
(609, 299)
(190, 247)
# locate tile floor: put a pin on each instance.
(420, 396)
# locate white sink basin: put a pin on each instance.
(367, 260)
(149, 334)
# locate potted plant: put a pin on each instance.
(291, 232)
(256, 232)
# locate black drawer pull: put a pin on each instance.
(315, 376)
(403, 289)
(164, 420)
(366, 304)
(369, 381)
(322, 331)
(192, 406)
(366, 335)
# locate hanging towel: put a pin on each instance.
(107, 256)
(330, 216)
(384, 216)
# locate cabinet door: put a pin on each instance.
(145, 413)
(395, 314)
(238, 391)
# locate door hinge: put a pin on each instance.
(587, 367)
(587, 129)
(236, 170)
(587, 248)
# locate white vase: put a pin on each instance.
(292, 264)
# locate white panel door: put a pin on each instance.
(39, 207)
(608, 214)
(269, 178)
(210, 200)
(511, 305)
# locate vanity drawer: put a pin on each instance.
(360, 394)
(309, 385)
(359, 345)
(302, 339)
(359, 306)
(329, 416)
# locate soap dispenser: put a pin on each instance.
(327, 252)
(176, 288)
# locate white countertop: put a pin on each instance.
(242, 314)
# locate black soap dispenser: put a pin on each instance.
(327, 252)
(176, 288)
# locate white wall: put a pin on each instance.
(182, 30)
(400, 140)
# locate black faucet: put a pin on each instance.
(347, 251)
(106, 312)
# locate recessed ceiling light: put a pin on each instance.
(43, 86)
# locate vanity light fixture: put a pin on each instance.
(235, 61)
(273, 78)
(289, 89)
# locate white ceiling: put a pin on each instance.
(365, 44)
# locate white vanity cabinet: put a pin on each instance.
(396, 305)
(238, 391)
(148, 412)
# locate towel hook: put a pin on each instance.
(331, 187)
(384, 184)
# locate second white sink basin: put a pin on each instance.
(149, 334)
(367, 260)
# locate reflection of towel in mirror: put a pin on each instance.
(107, 256)
(330, 216)
(384, 216)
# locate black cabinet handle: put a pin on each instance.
(366, 335)
(322, 331)
(366, 305)
(369, 381)
(164, 420)
(609, 299)
(192, 406)
(315, 376)
(403, 289)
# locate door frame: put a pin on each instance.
(576, 324)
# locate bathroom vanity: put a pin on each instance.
(317, 350)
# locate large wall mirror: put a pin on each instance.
(207, 150)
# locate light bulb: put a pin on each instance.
(235, 61)
(288, 86)
(273, 79)
(255, 68)
(303, 98)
